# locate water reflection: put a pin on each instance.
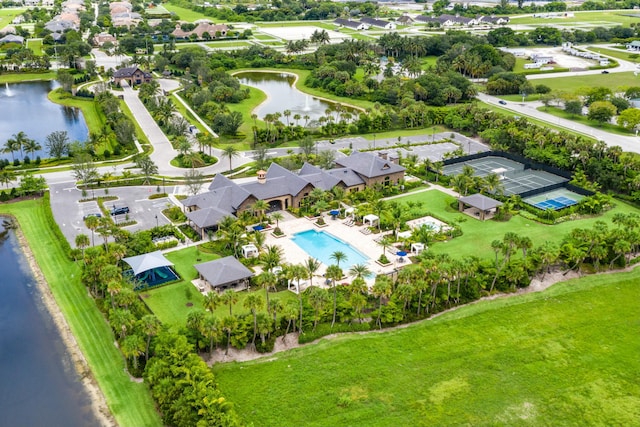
(282, 95)
(25, 107)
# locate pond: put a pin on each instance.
(25, 107)
(38, 386)
(283, 95)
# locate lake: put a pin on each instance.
(283, 95)
(38, 384)
(25, 107)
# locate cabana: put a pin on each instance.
(250, 251)
(479, 206)
(417, 248)
(151, 268)
(224, 273)
(371, 219)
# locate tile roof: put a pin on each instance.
(223, 271)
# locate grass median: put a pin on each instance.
(130, 402)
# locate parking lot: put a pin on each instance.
(69, 212)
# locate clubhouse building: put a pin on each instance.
(283, 189)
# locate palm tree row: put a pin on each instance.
(19, 142)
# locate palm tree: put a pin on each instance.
(230, 152)
(318, 298)
(381, 289)
(82, 241)
(211, 329)
(334, 273)
(297, 273)
(31, 146)
(132, 347)
(6, 177)
(229, 297)
(254, 302)
(211, 301)
(267, 280)
(151, 326)
(277, 217)
(92, 223)
(229, 324)
(259, 207)
(359, 271)
(311, 265)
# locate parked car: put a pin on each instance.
(605, 72)
(502, 102)
(120, 211)
(96, 214)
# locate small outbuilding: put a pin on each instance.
(479, 206)
(224, 273)
(151, 269)
(371, 219)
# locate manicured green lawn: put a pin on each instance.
(186, 14)
(571, 84)
(130, 402)
(35, 45)
(140, 135)
(604, 18)
(93, 117)
(558, 112)
(169, 302)
(230, 43)
(25, 77)
(478, 235)
(567, 356)
(246, 107)
(7, 15)
(627, 56)
(501, 110)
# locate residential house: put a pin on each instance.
(102, 38)
(354, 25)
(378, 23)
(405, 20)
(634, 45)
(12, 38)
(133, 75)
(494, 20)
(213, 30)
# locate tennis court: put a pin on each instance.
(513, 175)
(554, 200)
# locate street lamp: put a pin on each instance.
(374, 140)
(156, 221)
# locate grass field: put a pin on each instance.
(626, 56)
(92, 116)
(35, 45)
(130, 402)
(566, 356)
(186, 14)
(477, 235)
(231, 43)
(588, 19)
(501, 110)
(614, 81)
(7, 15)
(246, 107)
(558, 112)
(25, 77)
(169, 302)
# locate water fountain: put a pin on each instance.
(306, 104)
(8, 90)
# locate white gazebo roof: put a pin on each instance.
(249, 250)
(371, 219)
(141, 263)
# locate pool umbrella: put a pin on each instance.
(334, 213)
(401, 253)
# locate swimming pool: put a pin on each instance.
(320, 245)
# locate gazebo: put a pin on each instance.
(479, 206)
(224, 273)
(371, 219)
(417, 248)
(151, 268)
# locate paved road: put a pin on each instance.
(627, 143)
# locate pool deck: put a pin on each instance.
(365, 243)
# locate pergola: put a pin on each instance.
(249, 251)
(371, 219)
(478, 206)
